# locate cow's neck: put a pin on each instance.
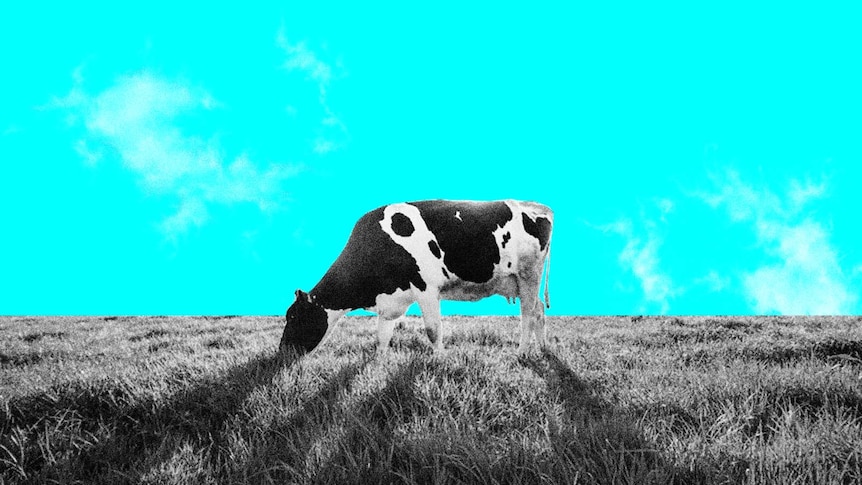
(323, 294)
(335, 293)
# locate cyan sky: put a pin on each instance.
(191, 160)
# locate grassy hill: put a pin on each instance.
(207, 400)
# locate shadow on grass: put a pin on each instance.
(102, 432)
(121, 438)
(330, 441)
(599, 441)
(394, 435)
(358, 440)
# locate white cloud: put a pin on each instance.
(191, 212)
(714, 281)
(742, 201)
(11, 130)
(801, 193)
(640, 256)
(332, 133)
(621, 227)
(805, 276)
(90, 156)
(807, 279)
(665, 206)
(242, 181)
(322, 146)
(137, 118)
(299, 57)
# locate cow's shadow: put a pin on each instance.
(590, 434)
(602, 439)
(594, 436)
(361, 430)
(136, 436)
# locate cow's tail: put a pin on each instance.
(547, 275)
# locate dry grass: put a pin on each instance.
(207, 400)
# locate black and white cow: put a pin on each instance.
(425, 252)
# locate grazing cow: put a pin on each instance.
(425, 252)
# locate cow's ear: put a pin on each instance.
(301, 295)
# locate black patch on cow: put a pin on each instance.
(510, 264)
(445, 273)
(305, 326)
(435, 249)
(370, 264)
(401, 225)
(540, 229)
(468, 243)
(506, 238)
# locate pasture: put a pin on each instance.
(208, 400)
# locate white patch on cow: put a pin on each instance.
(393, 305)
(430, 266)
(332, 319)
(390, 308)
(458, 216)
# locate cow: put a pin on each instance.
(425, 252)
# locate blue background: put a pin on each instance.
(191, 160)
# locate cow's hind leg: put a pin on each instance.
(539, 325)
(430, 306)
(385, 328)
(524, 342)
(532, 312)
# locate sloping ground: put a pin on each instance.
(657, 400)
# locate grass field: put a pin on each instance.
(207, 400)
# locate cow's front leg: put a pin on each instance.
(430, 306)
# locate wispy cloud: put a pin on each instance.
(803, 275)
(137, 117)
(192, 212)
(10, 130)
(299, 57)
(90, 156)
(323, 146)
(800, 193)
(665, 207)
(332, 133)
(640, 256)
(714, 281)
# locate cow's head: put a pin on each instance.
(306, 325)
